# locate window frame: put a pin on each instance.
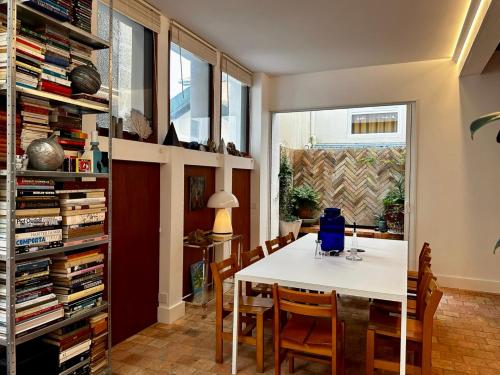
(211, 93)
(375, 110)
(153, 138)
(247, 115)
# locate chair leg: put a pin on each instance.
(259, 347)
(370, 351)
(277, 359)
(291, 363)
(219, 342)
(341, 360)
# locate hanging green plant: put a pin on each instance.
(482, 121)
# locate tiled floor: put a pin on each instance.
(466, 341)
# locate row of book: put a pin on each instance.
(35, 119)
(35, 302)
(78, 12)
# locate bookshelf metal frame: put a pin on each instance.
(15, 8)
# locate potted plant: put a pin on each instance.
(475, 126)
(394, 206)
(305, 202)
(381, 222)
(288, 222)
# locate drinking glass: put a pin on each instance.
(353, 255)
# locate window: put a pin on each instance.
(190, 95)
(234, 112)
(133, 67)
(374, 123)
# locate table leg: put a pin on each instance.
(236, 311)
(402, 365)
(206, 261)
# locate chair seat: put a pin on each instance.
(413, 275)
(395, 307)
(308, 335)
(251, 305)
(263, 289)
(389, 325)
(412, 286)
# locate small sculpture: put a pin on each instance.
(231, 149)
(86, 79)
(222, 147)
(171, 138)
(45, 154)
(193, 146)
(139, 125)
(211, 145)
(198, 237)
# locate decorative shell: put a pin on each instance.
(139, 125)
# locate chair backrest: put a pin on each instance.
(252, 256)
(422, 287)
(220, 272)
(303, 303)
(424, 249)
(287, 239)
(432, 298)
(424, 260)
(273, 245)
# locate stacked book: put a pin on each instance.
(99, 346)
(30, 53)
(3, 137)
(81, 54)
(38, 224)
(72, 141)
(36, 304)
(59, 9)
(65, 118)
(56, 62)
(83, 212)
(71, 347)
(82, 14)
(35, 117)
(78, 280)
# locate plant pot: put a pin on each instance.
(306, 213)
(290, 226)
(382, 226)
(395, 217)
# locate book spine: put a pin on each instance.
(30, 222)
(39, 240)
(83, 219)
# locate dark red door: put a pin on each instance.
(241, 215)
(135, 257)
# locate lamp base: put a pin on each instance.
(221, 236)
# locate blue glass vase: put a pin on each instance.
(331, 230)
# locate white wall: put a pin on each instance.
(458, 181)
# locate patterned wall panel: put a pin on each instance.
(353, 179)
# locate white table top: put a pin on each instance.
(381, 274)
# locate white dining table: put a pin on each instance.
(382, 274)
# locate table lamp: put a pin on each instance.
(221, 201)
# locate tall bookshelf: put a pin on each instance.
(17, 10)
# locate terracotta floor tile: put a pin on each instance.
(466, 341)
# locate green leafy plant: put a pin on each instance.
(305, 201)
(285, 177)
(482, 121)
(478, 124)
(394, 205)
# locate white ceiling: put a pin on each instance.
(296, 36)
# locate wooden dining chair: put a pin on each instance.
(311, 332)
(287, 239)
(413, 304)
(253, 311)
(248, 258)
(273, 245)
(424, 259)
(419, 335)
(413, 275)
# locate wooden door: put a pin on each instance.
(135, 257)
(241, 214)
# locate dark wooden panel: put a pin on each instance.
(199, 219)
(136, 220)
(241, 214)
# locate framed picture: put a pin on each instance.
(197, 276)
(196, 193)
